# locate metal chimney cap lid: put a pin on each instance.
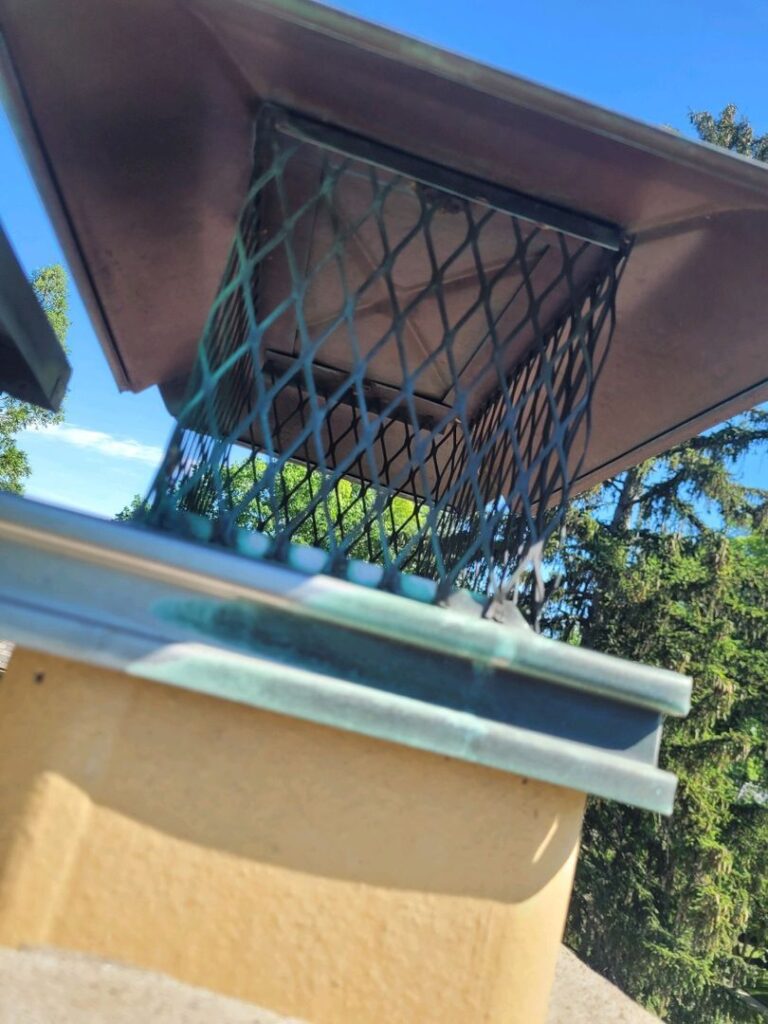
(141, 142)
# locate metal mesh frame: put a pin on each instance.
(290, 429)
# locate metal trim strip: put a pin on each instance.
(95, 591)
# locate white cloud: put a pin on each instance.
(103, 444)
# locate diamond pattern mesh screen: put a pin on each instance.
(391, 372)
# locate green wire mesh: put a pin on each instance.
(390, 372)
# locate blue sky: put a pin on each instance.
(653, 60)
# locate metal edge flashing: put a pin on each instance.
(105, 593)
(207, 569)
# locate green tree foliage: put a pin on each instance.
(317, 517)
(731, 132)
(50, 285)
(668, 564)
(676, 911)
(341, 514)
(133, 511)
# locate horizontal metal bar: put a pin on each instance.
(211, 570)
(465, 186)
(153, 607)
(290, 690)
(327, 380)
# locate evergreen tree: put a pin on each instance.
(668, 564)
(730, 132)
